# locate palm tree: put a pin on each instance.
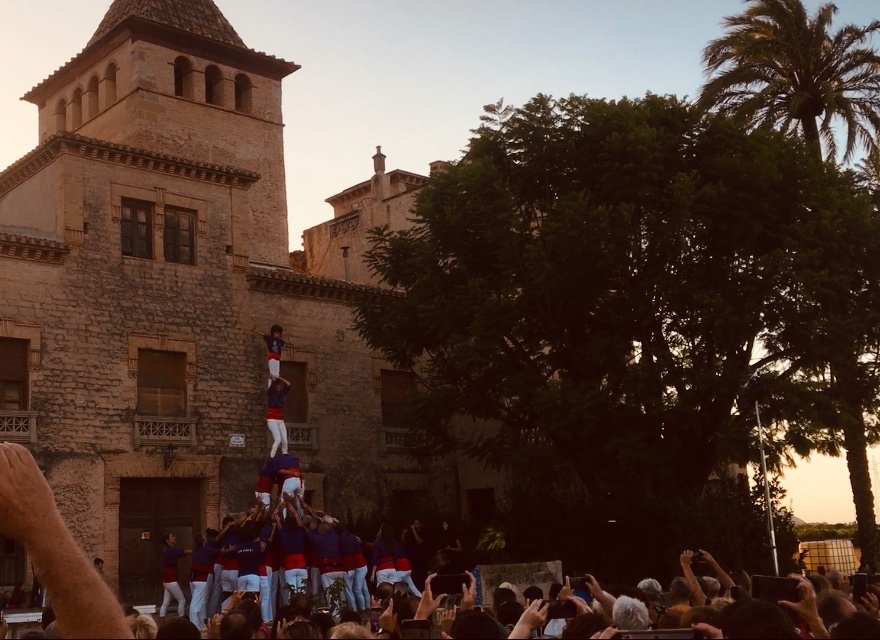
(777, 66)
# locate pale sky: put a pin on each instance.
(412, 76)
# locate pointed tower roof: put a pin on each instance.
(199, 17)
(196, 26)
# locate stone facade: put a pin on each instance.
(113, 132)
(335, 249)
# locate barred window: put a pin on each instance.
(179, 236)
(137, 229)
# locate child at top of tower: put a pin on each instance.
(274, 345)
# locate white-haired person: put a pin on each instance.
(654, 592)
(630, 614)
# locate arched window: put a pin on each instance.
(92, 97)
(110, 85)
(243, 89)
(76, 105)
(213, 86)
(61, 116)
(183, 77)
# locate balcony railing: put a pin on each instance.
(164, 430)
(18, 426)
(395, 440)
(302, 438)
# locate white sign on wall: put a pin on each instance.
(236, 440)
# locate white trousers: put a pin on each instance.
(274, 370)
(249, 583)
(294, 578)
(172, 590)
(386, 575)
(267, 595)
(279, 434)
(294, 487)
(198, 608)
(328, 579)
(406, 578)
(265, 498)
(229, 580)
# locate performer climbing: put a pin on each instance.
(289, 478)
(275, 414)
(274, 345)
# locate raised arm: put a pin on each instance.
(725, 580)
(698, 597)
(84, 604)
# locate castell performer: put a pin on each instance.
(274, 345)
(275, 414)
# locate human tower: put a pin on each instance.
(276, 547)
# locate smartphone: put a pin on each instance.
(375, 614)
(735, 593)
(448, 583)
(581, 588)
(664, 634)
(859, 587)
(557, 609)
(416, 629)
(773, 589)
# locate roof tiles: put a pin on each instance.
(200, 17)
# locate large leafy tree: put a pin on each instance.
(593, 277)
(779, 66)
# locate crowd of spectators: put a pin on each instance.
(704, 601)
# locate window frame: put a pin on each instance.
(142, 406)
(19, 348)
(296, 412)
(128, 228)
(171, 236)
(390, 408)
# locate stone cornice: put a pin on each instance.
(75, 144)
(34, 249)
(301, 285)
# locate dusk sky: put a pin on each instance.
(413, 77)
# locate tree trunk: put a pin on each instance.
(811, 135)
(863, 498)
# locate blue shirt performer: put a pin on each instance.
(274, 345)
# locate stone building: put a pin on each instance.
(140, 243)
(335, 249)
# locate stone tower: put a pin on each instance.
(173, 77)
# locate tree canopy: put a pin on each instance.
(594, 275)
(778, 66)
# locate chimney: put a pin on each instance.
(379, 161)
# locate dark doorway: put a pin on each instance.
(148, 509)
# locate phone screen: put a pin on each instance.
(859, 586)
(416, 629)
(375, 614)
(773, 589)
(448, 583)
(557, 609)
(580, 588)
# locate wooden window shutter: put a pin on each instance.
(13, 373)
(296, 403)
(161, 383)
